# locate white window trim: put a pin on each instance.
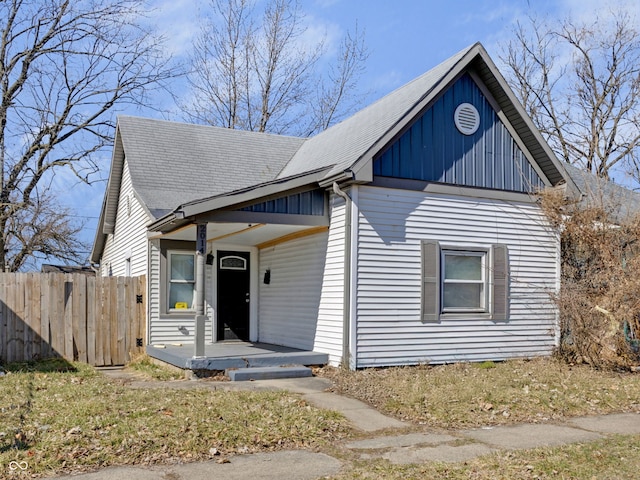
(484, 281)
(169, 281)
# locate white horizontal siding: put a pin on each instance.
(288, 307)
(129, 239)
(329, 331)
(392, 224)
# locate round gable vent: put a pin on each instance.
(467, 118)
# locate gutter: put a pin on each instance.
(174, 218)
(346, 301)
(343, 176)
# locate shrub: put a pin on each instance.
(599, 297)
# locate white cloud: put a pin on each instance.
(178, 21)
(591, 10)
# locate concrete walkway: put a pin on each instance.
(391, 439)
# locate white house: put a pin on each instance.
(407, 233)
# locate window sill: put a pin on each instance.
(179, 314)
(465, 316)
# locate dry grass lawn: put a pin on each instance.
(65, 418)
(474, 395)
(470, 395)
(61, 417)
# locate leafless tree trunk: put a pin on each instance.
(580, 83)
(253, 71)
(65, 66)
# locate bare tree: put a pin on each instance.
(65, 66)
(334, 97)
(40, 231)
(253, 70)
(580, 83)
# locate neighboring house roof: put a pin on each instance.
(620, 202)
(179, 169)
(47, 268)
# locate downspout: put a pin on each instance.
(346, 307)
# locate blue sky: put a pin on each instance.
(405, 38)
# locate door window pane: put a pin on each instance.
(233, 263)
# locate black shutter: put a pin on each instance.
(430, 281)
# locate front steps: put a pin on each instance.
(268, 373)
(240, 360)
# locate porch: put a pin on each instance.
(221, 356)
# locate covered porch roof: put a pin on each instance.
(255, 217)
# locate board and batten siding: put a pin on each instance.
(166, 328)
(392, 225)
(288, 305)
(129, 239)
(329, 330)
(434, 150)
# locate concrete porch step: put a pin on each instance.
(268, 373)
(257, 360)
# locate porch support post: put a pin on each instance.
(201, 248)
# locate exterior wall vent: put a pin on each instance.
(467, 119)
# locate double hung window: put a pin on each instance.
(182, 281)
(462, 281)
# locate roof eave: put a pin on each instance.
(110, 199)
(100, 239)
(504, 95)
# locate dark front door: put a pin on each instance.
(233, 295)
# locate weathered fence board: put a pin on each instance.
(97, 320)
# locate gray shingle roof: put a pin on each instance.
(174, 163)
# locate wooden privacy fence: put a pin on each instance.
(97, 320)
